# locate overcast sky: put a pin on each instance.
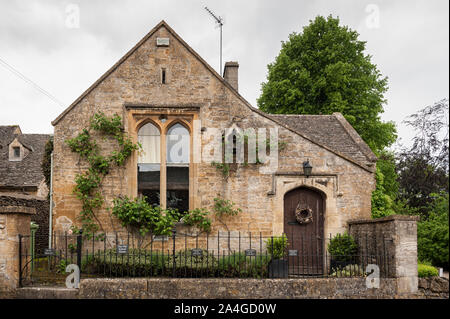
(44, 40)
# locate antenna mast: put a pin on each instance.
(220, 22)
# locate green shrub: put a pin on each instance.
(276, 246)
(427, 271)
(138, 215)
(140, 263)
(342, 248)
(351, 270)
(433, 233)
(198, 217)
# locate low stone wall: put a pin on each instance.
(396, 237)
(433, 287)
(234, 288)
(167, 288)
(41, 217)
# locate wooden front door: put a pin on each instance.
(304, 227)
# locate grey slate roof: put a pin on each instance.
(23, 173)
(331, 131)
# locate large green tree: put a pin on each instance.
(423, 168)
(323, 70)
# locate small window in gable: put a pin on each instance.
(163, 76)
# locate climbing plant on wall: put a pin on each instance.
(88, 183)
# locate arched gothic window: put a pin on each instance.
(177, 165)
(175, 182)
(149, 163)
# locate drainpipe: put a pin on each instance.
(50, 220)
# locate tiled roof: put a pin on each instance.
(26, 172)
(331, 131)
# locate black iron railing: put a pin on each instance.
(182, 255)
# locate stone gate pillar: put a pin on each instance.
(397, 236)
(14, 220)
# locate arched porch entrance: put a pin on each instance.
(304, 215)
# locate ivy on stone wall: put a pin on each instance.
(88, 183)
(47, 161)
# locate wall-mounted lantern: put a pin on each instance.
(307, 168)
(163, 118)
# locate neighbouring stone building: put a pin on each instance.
(22, 182)
(162, 87)
(20, 162)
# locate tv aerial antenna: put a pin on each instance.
(220, 21)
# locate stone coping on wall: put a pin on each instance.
(384, 219)
(22, 196)
(17, 210)
(216, 288)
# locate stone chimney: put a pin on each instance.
(230, 74)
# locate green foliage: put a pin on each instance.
(323, 70)
(342, 247)
(423, 168)
(427, 271)
(276, 246)
(382, 203)
(140, 263)
(418, 180)
(138, 215)
(107, 125)
(88, 182)
(225, 207)
(224, 168)
(99, 164)
(82, 144)
(198, 217)
(433, 233)
(61, 268)
(127, 148)
(47, 161)
(352, 270)
(386, 166)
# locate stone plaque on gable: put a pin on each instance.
(162, 42)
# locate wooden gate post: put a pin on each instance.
(14, 220)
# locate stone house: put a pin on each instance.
(20, 162)
(22, 182)
(162, 88)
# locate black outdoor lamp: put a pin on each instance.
(307, 168)
(163, 118)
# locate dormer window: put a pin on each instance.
(16, 152)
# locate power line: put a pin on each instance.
(30, 82)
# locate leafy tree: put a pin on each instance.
(423, 168)
(433, 233)
(385, 194)
(431, 140)
(381, 202)
(323, 70)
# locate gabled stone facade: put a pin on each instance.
(343, 165)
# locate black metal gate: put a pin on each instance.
(47, 266)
